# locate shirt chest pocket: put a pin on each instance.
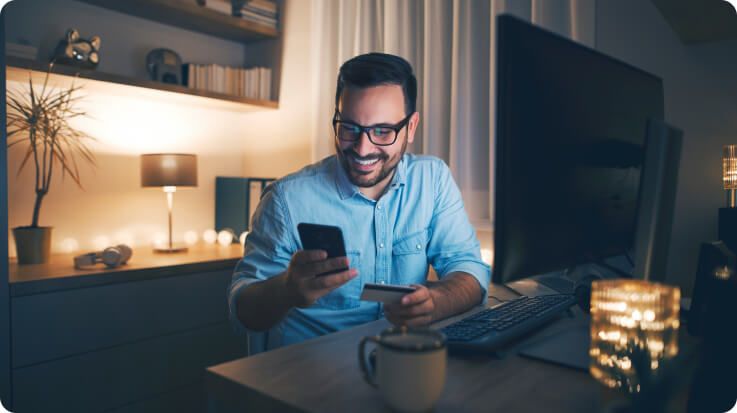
(347, 295)
(409, 258)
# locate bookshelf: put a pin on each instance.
(18, 70)
(262, 42)
(188, 15)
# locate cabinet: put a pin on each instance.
(136, 338)
(262, 43)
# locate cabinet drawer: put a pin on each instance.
(125, 375)
(49, 326)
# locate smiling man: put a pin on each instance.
(399, 213)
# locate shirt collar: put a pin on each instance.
(346, 189)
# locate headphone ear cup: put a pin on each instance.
(126, 253)
(85, 260)
(111, 257)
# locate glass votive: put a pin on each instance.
(634, 329)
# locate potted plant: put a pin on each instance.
(39, 121)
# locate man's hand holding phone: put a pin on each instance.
(306, 281)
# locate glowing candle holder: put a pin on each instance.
(729, 173)
(634, 329)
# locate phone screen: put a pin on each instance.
(323, 237)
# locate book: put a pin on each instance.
(220, 6)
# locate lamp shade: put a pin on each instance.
(168, 169)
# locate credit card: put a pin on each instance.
(384, 293)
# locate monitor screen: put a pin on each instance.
(570, 144)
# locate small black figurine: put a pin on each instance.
(78, 52)
(165, 66)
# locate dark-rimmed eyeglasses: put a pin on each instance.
(379, 135)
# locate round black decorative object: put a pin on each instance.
(165, 66)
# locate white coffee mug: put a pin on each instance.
(410, 367)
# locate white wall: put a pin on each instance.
(227, 142)
(282, 139)
(700, 83)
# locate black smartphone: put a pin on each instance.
(323, 237)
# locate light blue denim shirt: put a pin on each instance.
(419, 221)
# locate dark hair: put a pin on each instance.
(374, 69)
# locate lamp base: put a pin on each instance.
(728, 227)
(172, 250)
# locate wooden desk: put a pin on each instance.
(322, 375)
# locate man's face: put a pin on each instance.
(367, 164)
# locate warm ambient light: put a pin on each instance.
(69, 245)
(101, 242)
(210, 236)
(225, 237)
(191, 237)
(242, 238)
(159, 240)
(634, 328)
(125, 237)
(729, 173)
(169, 171)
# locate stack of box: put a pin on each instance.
(260, 11)
(263, 12)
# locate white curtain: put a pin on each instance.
(450, 44)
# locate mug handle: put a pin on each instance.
(368, 373)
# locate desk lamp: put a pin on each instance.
(634, 328)
(169, 171)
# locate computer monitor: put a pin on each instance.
(571, 125)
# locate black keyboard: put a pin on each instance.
(487, 330)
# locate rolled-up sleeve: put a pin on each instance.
(268, 249)
(453, 244)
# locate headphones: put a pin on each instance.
(111, 256)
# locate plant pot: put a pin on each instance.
(32, 244)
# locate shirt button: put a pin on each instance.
(381, 281)
(381, 245)
(378, 207)
(419, 247)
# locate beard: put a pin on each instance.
(361, 179)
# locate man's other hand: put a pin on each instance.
(414, 309)
(304, 286)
